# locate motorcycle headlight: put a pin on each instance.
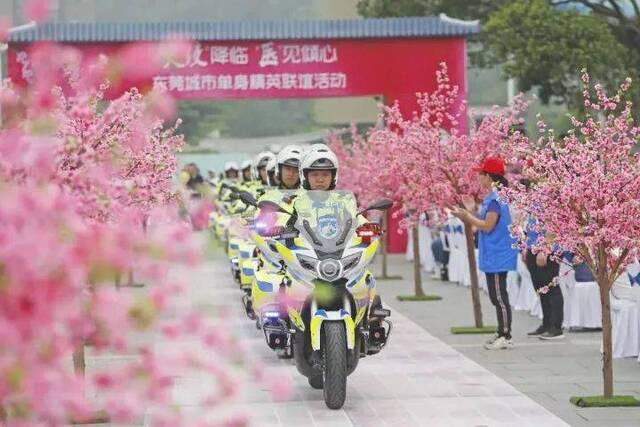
(330, 269)
(351, 261)
(306, 262)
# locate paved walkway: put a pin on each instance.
(417, 380)
(547, 372)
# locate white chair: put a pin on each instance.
(456, 257)
(625, 318)
(482, 279)
(409, 253)
(513, 287)
(528, 299)
(426, 255)
(462, 245)
(584, 309)
(566, 279)
(625, 321)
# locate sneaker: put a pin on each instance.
(541, 330)
(552, 334)
(501, 343)
(492, 339)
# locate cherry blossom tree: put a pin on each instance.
(584, 193)
(362, 171)
(428, 164)
(78, 176)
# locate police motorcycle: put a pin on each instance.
(243, 251)
(224, 200)
(267, 267)
(243, 255)
(270, 276)
(265, 293)
(330, 303)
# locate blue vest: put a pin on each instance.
(496, 248)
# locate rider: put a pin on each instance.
(319, 173)
(231, 170)
(271, 172)
(286, 173)
(287, 168)
(319, 169)
(247, 171)
(261, 166)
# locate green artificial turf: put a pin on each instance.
(601, 401)
(419, 298)
(456, 330)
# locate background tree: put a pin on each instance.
(542, 43)
(544, 48)
(199, 119)
(462, 9)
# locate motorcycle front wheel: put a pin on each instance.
(335, 364)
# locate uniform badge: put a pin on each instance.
(328, 226)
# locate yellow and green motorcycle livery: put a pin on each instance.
(227, 207)
(330, 314)
(225, 203)
(240, 249)
(275, 210)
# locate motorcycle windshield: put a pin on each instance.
(327, 220)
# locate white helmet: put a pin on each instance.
(271, 171)
(319, 158)
(289, 156)
(263, 158)
(228, 166)
(247, 164)
(314, 147)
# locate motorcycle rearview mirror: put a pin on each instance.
(248, 199)
(380, 205)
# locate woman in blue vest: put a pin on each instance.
(497, 253)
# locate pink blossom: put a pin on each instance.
(38, 10)
(86, 197)
(5, 26)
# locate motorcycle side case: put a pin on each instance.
(233, 249)
(264, 288)
(247, 263)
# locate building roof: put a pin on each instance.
(410, 27)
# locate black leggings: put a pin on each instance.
(497, 287)
(552, 302)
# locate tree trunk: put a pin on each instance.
(78, 360)
(383, 244)
(607, 347)
(473, 273)
(417, 270)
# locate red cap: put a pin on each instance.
(492, 165)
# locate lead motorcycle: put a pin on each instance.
(332, 315)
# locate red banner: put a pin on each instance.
(395, 68)
(285, 69)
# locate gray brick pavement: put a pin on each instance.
(547, 372)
